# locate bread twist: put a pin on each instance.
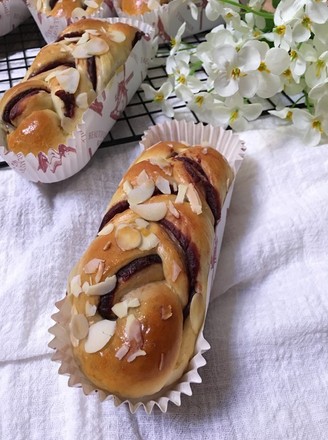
(138, 294)
(44, 109)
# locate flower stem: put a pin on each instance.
(248, 9)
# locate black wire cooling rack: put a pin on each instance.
(19, 48)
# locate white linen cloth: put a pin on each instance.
(267, 371)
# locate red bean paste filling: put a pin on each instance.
(124, 274)
(137, 37)
(51, 66)
(11, 110)
(69, 102)
(199, 177)
(191, 255)
(116, 209)
(70, 35)
(52, 3)
(92, 71)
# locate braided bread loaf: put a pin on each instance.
(68, 8)
(138, 294)
(44, 109)
(136, 7)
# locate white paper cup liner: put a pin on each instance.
(168, 18)
(50, 27)
(12, 14)
(66, 160)
(233, 149)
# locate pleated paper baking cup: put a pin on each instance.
(12, 14)
(66, 160)
(168, 18)
(50, 27)
(233, 149)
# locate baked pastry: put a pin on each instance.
(44, 109)
(68, 8)
(138, 294)
(136, 7)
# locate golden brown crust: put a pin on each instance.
(62, 82)
(156, 269)
(66, 8)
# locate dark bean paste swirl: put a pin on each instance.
(10, 111)
(70, 35)
(51, 66)
(124, 274)
(92, 71)
(52, 3)
(199, 177)
(69, 102)
(116, 209)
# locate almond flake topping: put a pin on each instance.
(166, 312)
(133, 329)
(102, 288)
(92, 31)
(107, 229)
(204, 150)
(173, 210)
(160, 162)
(127, 187)
(150, 211)
(141, 193)
(95, 46)
(142, 177)
(107, 246)
(149, 241)
(69, 79)
(161, 362)
(100, 271)
(176, 269)
(122, 351)
(135, 354)
(76, 288)
(193, 198)
(90, 309)
(79, 326)
(163, 185)
(141, 223)
(182, 189)
(84, 38)
(127, 238)
(78, 13)
(92, 266)
(121, 308)
(117, 36)
(99, 334)
(82, 100)
(91, 3)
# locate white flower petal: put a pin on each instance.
(248, 58)
(318, 12)
(252, 111)
(301, 33)
(269, 85)
(225, 86)
(277, 60)
(248, 85)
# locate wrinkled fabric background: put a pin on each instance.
(267, 371)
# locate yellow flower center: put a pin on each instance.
(287, 74)
(306, 22)
(181, 79)
(199, 100)
(173, 42)
(235, 73)
(289, 116)
(263, 67)
(280, 30)
(293, 55)
(234, 115)
(316, 124)
(319, 66)
(159, 97)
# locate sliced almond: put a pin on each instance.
(97, 46)
(127, 187)
(133, 302)
(142, 177)
(69, 79)
(79, 326)
(141, 193)
(99, 334)
(128, 238)
(141, 223)
(135, 354)
(82, 100)
(91, 3)
(83, 39)
(107, 229)
(120, 309)
(163, 185)
(150, 211)
(75, 285)
(90, 309)
(78, 13)
(149, 241)
(194, 200)
(160, 162)
(176, 270)
(133, 329)
(117, 36)
(100, 271)
(182, 189)
(102, 288)
(173, 210)
(166, 312)
(92, 266)
(85, 286)
(122, 351)
(107, 246)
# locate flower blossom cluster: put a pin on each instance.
(253, 54)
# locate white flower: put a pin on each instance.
(319, 91)
(285, 113)
(282, 36)
(236, 71)
(206, 107)
(214, 9)
(160, 96)
(273, 63)
(314, 126)
(176, 41)
(235, 112)
(297, 64)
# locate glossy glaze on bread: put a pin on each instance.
(143, 279)
(68, 8)
(137, 7)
